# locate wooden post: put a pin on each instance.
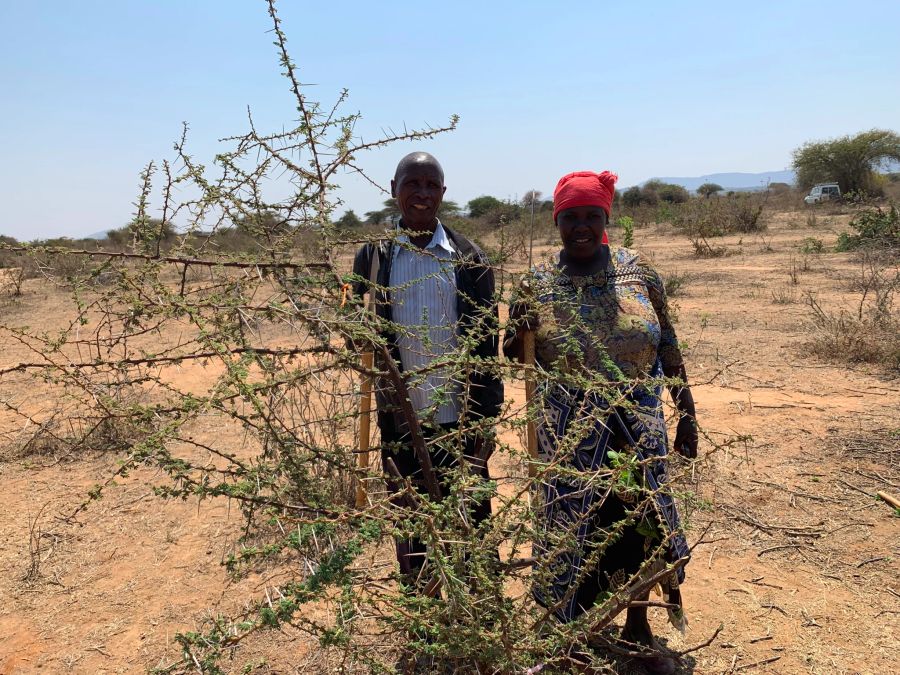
(365, 426)
(530, 431)
(365, 391)
(889, 499)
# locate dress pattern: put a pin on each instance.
(616, 325)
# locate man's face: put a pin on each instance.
(581, 230)
(419, 189)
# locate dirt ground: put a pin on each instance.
(801, 566)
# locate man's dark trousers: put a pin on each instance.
(397, 447)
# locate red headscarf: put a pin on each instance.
(585, 188)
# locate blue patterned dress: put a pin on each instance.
(606, 513)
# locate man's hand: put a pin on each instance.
(686, 437)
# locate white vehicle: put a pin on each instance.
(822, 193)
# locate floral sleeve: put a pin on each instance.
(669, 351)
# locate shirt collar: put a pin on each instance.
(439, 239)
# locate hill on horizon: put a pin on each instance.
(732, 180)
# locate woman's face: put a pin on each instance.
(581, 230)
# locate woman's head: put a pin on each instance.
(581, 203)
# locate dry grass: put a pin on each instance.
(870, 333)
(785, 295)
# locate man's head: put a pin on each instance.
(418, 187)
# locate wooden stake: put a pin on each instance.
(365, 426)
(890, 499)
(530, 432)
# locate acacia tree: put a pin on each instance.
(279, 338)
(850, 161)
(349, 220)
(709, 189)
(531, 199)
(449, 209)
(483, 205)
(632, 197)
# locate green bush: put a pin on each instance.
(627, 225)
(812, 245)
(876, 228)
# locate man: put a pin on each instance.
(436, 289)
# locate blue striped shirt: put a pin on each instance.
(423, 305)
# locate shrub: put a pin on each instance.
(812, 245)
(744, 215)
(675, 281)
(15, 269)
(702, 219)
(785, 295)
(627, 225)
(665, 213)
(871, 333)
(876, 228)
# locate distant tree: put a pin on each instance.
(650, 192)
(673, 194)
(632, 197)
(779, 188)
(482, 205)
(120, 237)
(389, 213)
(448, 209)
(532, 197)
(373, 217)
(851, 161)
(349, 220)
(391, 210)
(709, 189)
(656, 190)
(133, 234)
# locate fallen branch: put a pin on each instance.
(705, 644)
(758, 663)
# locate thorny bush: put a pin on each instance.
(870, 332)
(269, 333)
(704, 219)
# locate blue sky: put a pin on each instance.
(94, 90)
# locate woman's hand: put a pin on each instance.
(686, 437)
(524, 316)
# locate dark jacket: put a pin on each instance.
(477, 311)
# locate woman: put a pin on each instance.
(604, 338)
